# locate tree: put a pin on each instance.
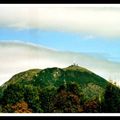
(73, 88)
(20, 92)
(12, 94)
(92, 106)
(32, 96)
(67, 100)
(47, 95)
(111, 102)
(7, 108)
(21, 107)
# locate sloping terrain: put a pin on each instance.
(70, 89)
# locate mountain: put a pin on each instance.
(57, 76)
(41, 89)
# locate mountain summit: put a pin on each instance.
(72, 73)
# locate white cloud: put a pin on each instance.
(103, 21)
(16, 57)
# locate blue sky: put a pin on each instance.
(92, 34)
(66, 41)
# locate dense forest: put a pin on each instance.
(54, 90)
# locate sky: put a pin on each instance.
(40, 37)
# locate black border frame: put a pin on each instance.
(58, 2)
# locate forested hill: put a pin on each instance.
(57, 76)
(71, 89)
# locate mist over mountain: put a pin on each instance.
(19, 56)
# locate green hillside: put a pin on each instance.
(57, 76)
(71, 89)
(23, 77)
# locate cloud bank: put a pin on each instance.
(16, 57)
(103, 21)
